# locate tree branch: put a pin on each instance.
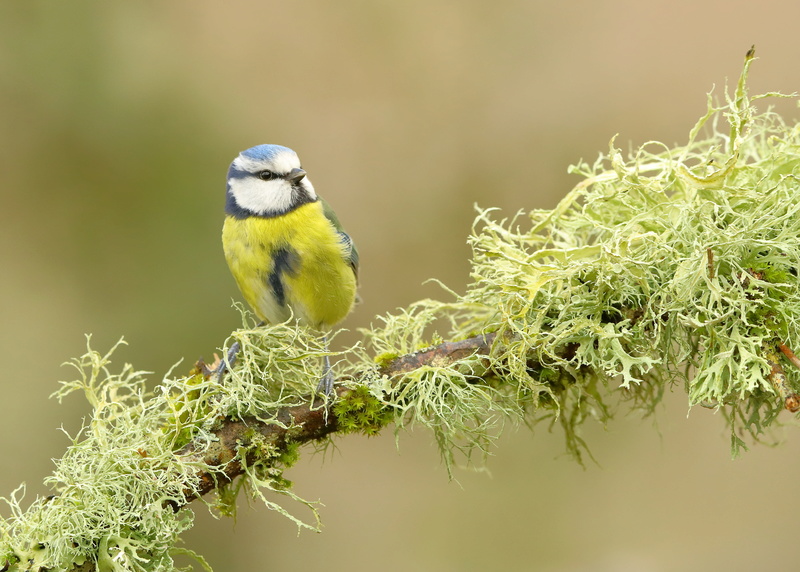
(304, 423)
(218, 461)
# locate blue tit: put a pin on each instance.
(284, 245)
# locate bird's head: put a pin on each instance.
(267, 180)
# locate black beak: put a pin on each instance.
(296, 175)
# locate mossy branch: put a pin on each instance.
(300, 424)
(235, 446)
(673, 266)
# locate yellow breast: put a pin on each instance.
(292, 264)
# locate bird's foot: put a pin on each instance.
(325, 385)
(229, 360)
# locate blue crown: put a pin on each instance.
(265, 152)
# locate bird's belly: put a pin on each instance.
(322, 292)
(291, 266)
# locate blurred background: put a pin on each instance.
(117, 125)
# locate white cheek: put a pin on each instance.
(262, 197)
(306, 184)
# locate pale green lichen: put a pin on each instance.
(116, 488)
(668, 266)
(112, 487)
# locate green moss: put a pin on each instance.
(549, 376)
(384, 360)
(359, 411)
(289, 455)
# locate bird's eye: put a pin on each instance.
(266, 175)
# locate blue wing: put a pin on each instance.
(351, 254)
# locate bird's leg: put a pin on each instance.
(226, 364)
(229, 360)
(325, 385)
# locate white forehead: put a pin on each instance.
(281, 160)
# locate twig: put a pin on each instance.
(710, 256)
(777, 376)
(789, 355)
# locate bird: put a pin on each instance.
(285, 246)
